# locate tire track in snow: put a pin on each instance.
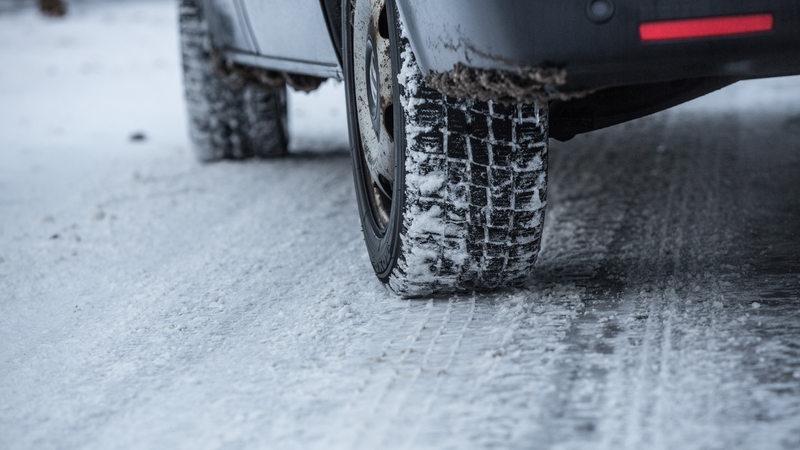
(655, 341)
(419, 374)
(403, 349)
(507, 400)
(588, 256)
(432, 397)
(646, 366)
(384, 436)
(688, 361)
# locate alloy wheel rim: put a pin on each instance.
(374, 105)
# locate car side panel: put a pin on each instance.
(291, 35)
(225, 19)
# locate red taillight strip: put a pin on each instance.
(707, 27)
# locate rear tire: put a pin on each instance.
(465, 207)
(229, 117)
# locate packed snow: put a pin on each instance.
(148, 301)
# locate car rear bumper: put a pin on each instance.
(517, 35)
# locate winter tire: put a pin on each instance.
(229, 116)
(451, 191)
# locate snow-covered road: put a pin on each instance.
(147, 301)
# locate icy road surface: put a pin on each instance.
(147, 301)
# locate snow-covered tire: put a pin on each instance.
(229, 116)
(468, 194)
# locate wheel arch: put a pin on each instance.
(332, 10)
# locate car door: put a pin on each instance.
(293, 35)
(227, 23)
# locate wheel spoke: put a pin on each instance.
(373, 85)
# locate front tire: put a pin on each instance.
(230, 117)
(458, 205)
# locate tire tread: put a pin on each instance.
(228, 118)
(475, 190)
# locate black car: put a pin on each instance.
(451, 102)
